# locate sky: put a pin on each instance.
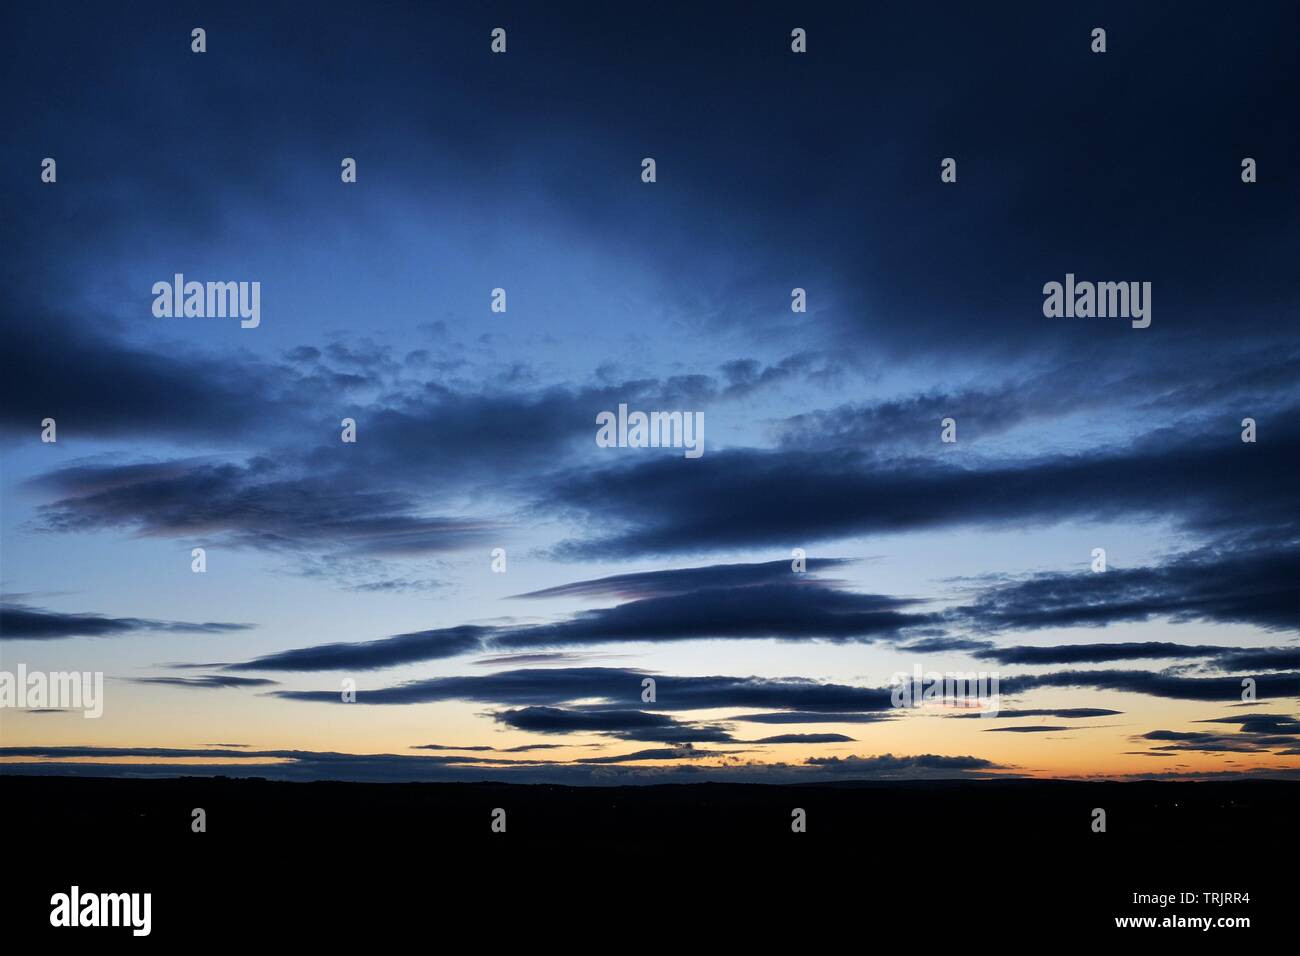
(372, 561)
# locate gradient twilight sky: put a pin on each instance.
(476, 430)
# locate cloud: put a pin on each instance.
(522, 748)
(318, 765)
(912, 421)
(1096, 653)
(207, 682)
(554, 687)
(940, 645)
(878, 297)
(1228, 585)
(61, 368)
(1260, 723)
(767, 601)
(677, 581)
(794, 609)
(684, 752)
(261, 503)
(1259, 658)
(1223, 689)
(323, 762)
(806, 717)
(21, 622)
(545, 657)
(1027, 729)
(623, 724)
(1069, 386)
(386, 652)
(1256, 733)
(616, 687)
(1171, 741)
(138, 752)
(1226, 658)
(748, 498)
(1062, 712)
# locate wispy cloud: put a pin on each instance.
(22, 622)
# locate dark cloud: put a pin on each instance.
(553, 720)
(796, 608)
(546, 657)
(646, 584)
(760, 499)
(386, 652)
(1093, 653)
(612, 687)
(1224, 252)
(941, 645)
(744, 377)
(316, 765)
(623, 724)
(1223, 689)
(260, 504)
(775, 603)
(684, 752)
(1261, 723)
(1247, 659)
(1255, 733)
(1079, 713)
(769, 600)
(1069, 387)
(1220, 584)
(207, 682)
(1225, 658)
(555, 687)
(138, 752)
(806, 717)
(332, 506)
(1027, 729)
(1259, 773)
(1168, 741)
(21, 622)
(911, 423)
(1096, 653)
(522, 748)
(58, 368)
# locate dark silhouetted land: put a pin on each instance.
(332, 858)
